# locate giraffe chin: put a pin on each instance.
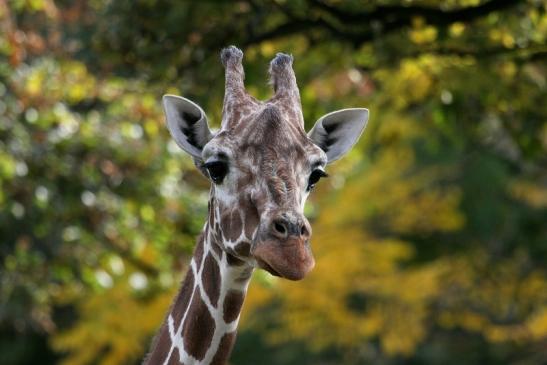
(291, 259)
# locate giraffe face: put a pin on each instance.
(259, 190)
(262, 165)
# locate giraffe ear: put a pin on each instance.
(187, 124)
(337, 132)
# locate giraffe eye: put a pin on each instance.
(314, 178)
(217, 170)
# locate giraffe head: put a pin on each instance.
(262, 165)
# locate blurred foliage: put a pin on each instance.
(430, 236)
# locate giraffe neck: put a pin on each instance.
(201, 326)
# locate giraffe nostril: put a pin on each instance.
(290, 225)
(280, 228)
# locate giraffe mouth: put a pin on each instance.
(291, 259)
(265, 266)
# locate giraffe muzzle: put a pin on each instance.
(291, 259)
(284, 249)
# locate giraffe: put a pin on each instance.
(262, 166)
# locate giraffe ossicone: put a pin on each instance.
(262, 166)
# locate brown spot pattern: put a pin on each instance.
(198, 329)
(211, 279)
(232, 305)
(216, 248)
(252, 218)
(183, 298)
(224, 349)
(162, 343)
(233, 261)
(160, 347)
(231, 225)
(243, 249)
(175, 358)
(198, 253)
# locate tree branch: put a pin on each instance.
(534, 52)
(385, 19)
(392, 13)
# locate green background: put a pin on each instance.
(430, 236)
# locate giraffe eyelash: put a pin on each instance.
(314, 178)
